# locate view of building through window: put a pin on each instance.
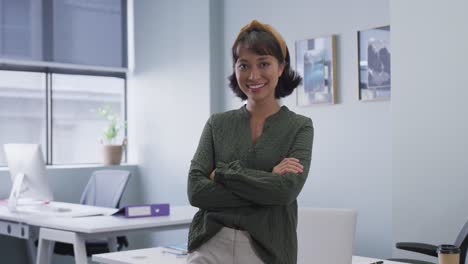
(77, 128)
(76, 125)
(22, 109)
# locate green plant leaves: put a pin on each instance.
(114, 126)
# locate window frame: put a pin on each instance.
(48, 98)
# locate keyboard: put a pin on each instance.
(57, 209)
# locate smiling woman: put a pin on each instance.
(265, 43)
(257, 75)
(251, 163)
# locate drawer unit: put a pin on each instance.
(14, 229)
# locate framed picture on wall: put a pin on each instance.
(315, 62)
(374, 64)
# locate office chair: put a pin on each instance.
(431, 250)
(105, 189)
(325, 235)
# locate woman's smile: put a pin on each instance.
(256, 87)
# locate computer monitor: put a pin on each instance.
(28, 174)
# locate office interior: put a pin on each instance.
(402, 163)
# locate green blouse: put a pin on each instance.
(245, 194)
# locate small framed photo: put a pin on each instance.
(374, 64)
(315, 62)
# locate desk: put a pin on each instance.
(139, 256)
(156, 256)
(77, 230)
(366, 260)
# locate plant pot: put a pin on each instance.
(111, 154)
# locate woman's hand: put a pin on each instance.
(212, 174)
(288, 165)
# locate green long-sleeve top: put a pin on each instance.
(245, 194)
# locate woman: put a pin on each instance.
(251, 163)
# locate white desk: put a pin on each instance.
(139, 256)
(156, 256)
(366, 260)
(77, 230)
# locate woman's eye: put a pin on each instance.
(242, 66)
(264, 64)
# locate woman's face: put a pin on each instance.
(257, 75)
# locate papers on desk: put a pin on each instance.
(179, 250)
(26, 201)
(140, 256)
(57, 209)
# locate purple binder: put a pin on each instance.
(144, 210)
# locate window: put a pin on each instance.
(60, 61)
(76, 124)
(71, 114)
(20, 29)
(22, 109)
(84, 32)
(88, 32)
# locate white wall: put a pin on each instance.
(429, 125)
(351, 163)
(168, 96)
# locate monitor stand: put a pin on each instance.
(15, 192)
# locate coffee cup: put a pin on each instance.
(448, 254)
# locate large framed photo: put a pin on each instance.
(374, 64)
(315, 62)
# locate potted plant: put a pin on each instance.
(110, 149)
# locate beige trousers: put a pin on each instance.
(228, 246)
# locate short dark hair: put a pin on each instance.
(264, 43)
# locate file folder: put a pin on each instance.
(144, 210)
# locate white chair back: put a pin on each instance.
(325, 235)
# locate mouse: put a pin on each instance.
(61, 209)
